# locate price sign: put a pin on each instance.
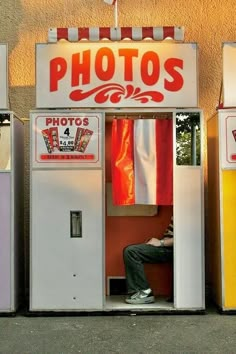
(66, 140)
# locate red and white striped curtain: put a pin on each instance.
(142, 161)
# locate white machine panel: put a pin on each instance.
(189, 244)
(229, 74)
(3, 76)
(86, 74)
(66, 272)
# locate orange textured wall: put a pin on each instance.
(26, 22)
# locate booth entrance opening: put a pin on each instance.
(130, 224)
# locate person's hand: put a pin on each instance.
(154, 242)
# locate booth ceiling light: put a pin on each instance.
(95, 34)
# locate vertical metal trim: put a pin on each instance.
(12, 217)
(174, 219)
(221, 212)
(103, 166)
(201, 167)
(30, 212)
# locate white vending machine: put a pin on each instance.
(11, 200)
(66, 210)
(77, 233)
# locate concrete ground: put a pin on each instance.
(124, 334)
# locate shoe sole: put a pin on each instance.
(144, 301)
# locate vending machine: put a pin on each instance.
(221, 140)
(78, 232)
(11, 190)
(67, 210)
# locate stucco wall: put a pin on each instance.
(25, 22)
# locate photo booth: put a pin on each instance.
(88, 94)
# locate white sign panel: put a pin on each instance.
(3, 77)
(228, 139)
(66, 140)
(5, 147)
(229, 74)
(116, 74)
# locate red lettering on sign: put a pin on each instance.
(52, 121)
(67, 157)
(81, 68)
(64, 121)
(57, 121)
(177, 83)
(78, 121)
(150, 77)
(86, 121)
(105, 57)
(128, 55)
(48, 121)
(58, 68)
(105, 65)
(70, 120)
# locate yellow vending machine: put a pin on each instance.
(221, 141)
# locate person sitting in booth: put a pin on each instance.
(135, 256)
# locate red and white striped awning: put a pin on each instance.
(94, 34)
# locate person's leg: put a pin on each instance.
(134, 258)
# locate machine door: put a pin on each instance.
(66, 240)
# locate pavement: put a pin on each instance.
(211, 332)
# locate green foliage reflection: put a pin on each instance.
(188, 139)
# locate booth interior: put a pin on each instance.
(133, 224)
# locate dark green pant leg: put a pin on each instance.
(135, 256)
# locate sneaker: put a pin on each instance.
(140, 298)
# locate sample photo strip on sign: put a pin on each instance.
(120, 74)
(67, 139)
(3, 76)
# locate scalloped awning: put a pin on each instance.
(74, 34)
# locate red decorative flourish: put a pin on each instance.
(114, 93)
